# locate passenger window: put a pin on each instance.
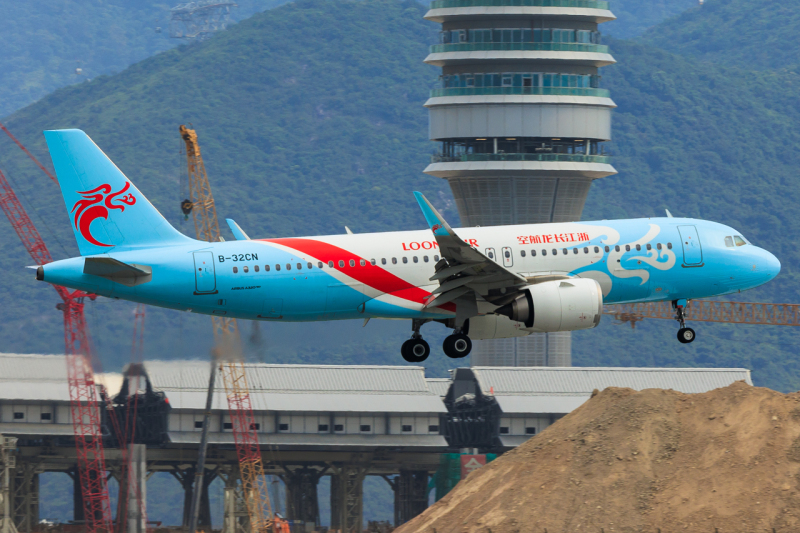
(574, 250)
(597, 249)
(235, 270)
(277, 267)
(245, 269)
(522, 253)
(555, 252)
(607, 249)
(436, 258)
(638, 247)
(739, 240)
(658, 246)
(394, 260)
(649, 246)
(405, 259)
(255, 268)
(363, 263)
(565, 251)
(425, 258)
(299, 266)
(288, 266)
(330, 264)
(341, 263)
(729, 242)
(310, 265)
(373, 262)
(491, 255)
(352, 262)
(383, 260)
(533, 253)
(507, 254)
(266, 268)
(416, 259)
(616, 248)
(627, 247)
(319, 264)
(669, 245)
(544, 252)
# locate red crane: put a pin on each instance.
(82, 389)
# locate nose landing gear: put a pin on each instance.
(415, 349)
(685, 335)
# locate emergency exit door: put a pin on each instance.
(205, 279)
(690, 241)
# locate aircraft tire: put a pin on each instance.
(457, 346)
(415, 350)
(686, 335)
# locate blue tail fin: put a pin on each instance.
(107, 212)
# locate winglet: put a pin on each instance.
(669, 215)
(238, 233)
(437, 223)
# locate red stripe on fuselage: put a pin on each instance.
(371, 275)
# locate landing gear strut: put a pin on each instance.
(457, 345)
(415, 349)
(685, 335)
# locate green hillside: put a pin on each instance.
(751, 35)
(634, 17)
(307, 131)
(44, 41)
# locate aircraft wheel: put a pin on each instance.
(457, 346)
(686, 335)
(415, 350)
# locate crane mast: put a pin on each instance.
(84, 407)
(230, 357)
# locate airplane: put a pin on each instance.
(483, 282)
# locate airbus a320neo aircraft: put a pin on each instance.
(485, 283)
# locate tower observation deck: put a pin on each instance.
(521, 121)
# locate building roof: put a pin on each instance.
(561, 390)
(33, 377)
(439, 386)
(339, 388)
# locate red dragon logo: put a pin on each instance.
(436, 226)
(93, 206)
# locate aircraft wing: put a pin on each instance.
(466, 269)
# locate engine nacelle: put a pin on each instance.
(564, 305)
(495, 327)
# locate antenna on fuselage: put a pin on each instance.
(669, 215)
(348, 230)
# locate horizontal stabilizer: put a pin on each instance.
(238, 233)
(117, 271)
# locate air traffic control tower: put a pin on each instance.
(520, 118)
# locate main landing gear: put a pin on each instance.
(416, 349)
(685, 335)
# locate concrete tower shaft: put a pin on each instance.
(521, 121)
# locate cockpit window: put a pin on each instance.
(739, 241)
(729, 242)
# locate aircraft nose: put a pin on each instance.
(770, 264)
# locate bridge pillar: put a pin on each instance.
(25, 496)
(410, 495)
(347, 498)
(235, 518)
(9, 462)
(137, 488)
(301, 494)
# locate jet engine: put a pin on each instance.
(494, 327)
(563, 305)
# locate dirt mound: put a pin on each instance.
(630, 461)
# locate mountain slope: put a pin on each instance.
(45, 41)
(751, 34)
(304, 132)
(634, 17)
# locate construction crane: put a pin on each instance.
(230, 359)
(710, 311)
(82, 388)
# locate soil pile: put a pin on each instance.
(630, 461)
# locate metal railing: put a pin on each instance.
(710, 311)
(590, 4)
(551, 47)
(561, 91)
(570, 158)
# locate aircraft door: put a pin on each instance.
(508, 257)
(490, 253)
(692, 251)
(205, 279)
